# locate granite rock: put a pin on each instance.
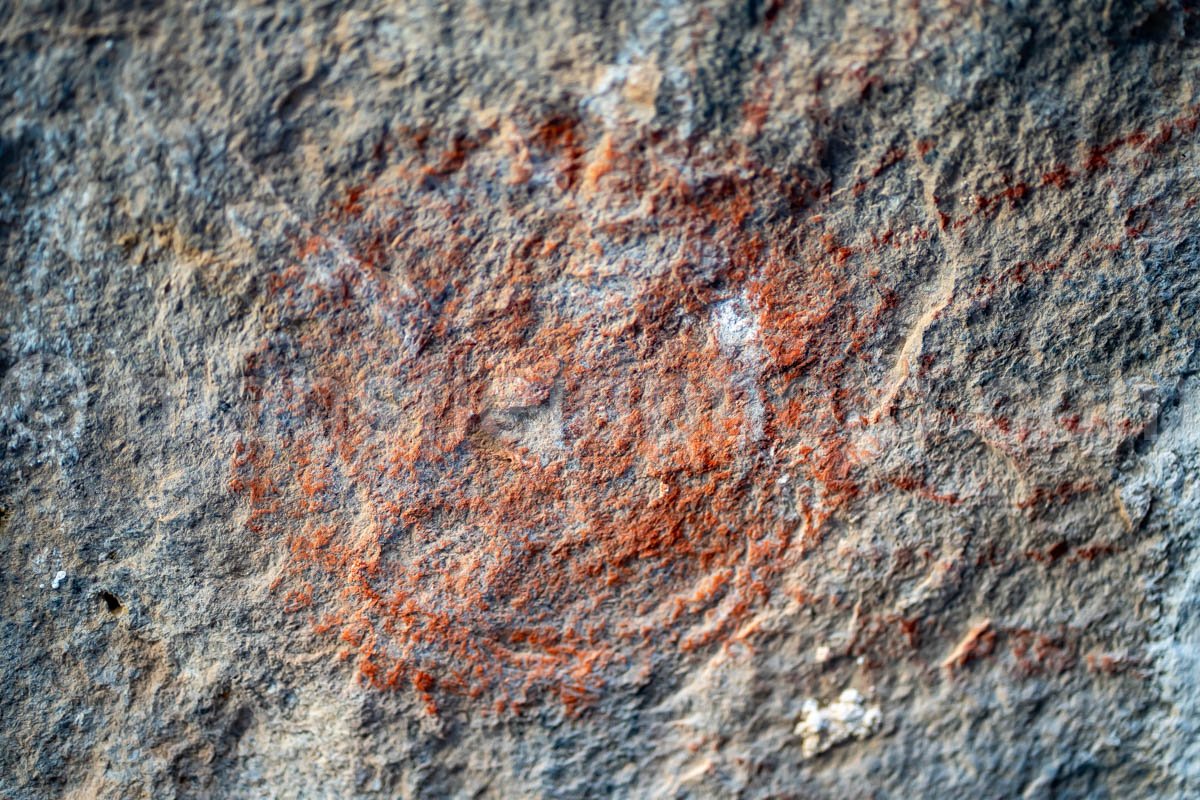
(712, 399)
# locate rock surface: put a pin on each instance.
(644, 400)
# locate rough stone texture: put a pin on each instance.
(649, 400)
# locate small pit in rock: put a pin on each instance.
(112, 603)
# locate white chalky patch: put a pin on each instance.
(736, 329)
(843, 720)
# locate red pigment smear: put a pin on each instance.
(527, 435)
(524, 441)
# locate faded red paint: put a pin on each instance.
(488, 487)
(508, 443)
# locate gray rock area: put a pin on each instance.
(600, 399)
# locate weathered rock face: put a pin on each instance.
(689, 400)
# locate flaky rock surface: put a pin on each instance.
(710, 399)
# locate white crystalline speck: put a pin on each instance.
(58, 578)
(822, 728)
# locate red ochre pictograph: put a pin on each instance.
(536, 412)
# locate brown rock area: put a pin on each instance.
(767, 399)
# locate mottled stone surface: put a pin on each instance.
(602, 399)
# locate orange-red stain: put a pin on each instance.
(506, 445)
